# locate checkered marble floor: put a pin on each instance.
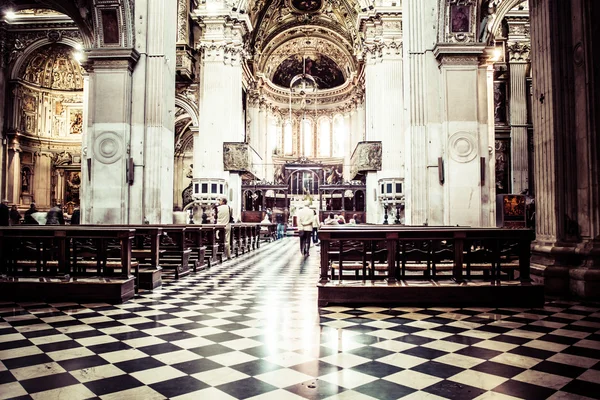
(250, 328)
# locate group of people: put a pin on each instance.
(308, 226)
(12, 216)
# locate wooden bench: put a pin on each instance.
(54, 262)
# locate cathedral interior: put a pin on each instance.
(403, 113)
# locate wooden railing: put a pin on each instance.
(395, 250)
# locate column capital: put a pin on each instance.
(518, 51)
(223, 32)
(381, 30)
(118, 58)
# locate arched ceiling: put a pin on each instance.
(80, 11)
(289, 33)
(53, 67)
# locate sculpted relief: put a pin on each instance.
(53, 67)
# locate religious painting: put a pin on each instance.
(459, 19)
(514, 211)
(75, 121)
(333, 174)
(28, 103)
(307, 6)
(110, 26)
(323, 69)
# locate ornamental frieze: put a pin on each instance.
(366, 157)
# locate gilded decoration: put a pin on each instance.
(236, 157)
(459, 23)
(75, 121)
(53, 67)
(366, 157)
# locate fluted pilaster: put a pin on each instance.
(518, 130)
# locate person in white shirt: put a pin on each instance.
(305, 219)
(315, 231)
(224, 214)
(330, 220)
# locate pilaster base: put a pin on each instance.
(566, 270)
(585, 282)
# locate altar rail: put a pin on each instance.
(428, 248)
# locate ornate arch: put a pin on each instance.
(189, 107)
(501, 10)
(27, 52)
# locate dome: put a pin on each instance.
(53, 67)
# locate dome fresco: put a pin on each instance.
(53, 67)
(325, 71)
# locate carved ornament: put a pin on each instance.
(236, 157)
(366, 157)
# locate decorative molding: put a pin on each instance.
(456, 54)
(108, 147)
(462, 147)
(110, 58)
(366, 157)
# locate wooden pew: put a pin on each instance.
(54, 262)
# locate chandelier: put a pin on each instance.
(301, 85)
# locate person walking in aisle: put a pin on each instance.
(305, 226)
(225, 217)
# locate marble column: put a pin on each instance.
(384, 98)
(565, 255)
(129, 137)
(518, 54)
(13, 174)
(220, 110)
(261, 147)
(3, 92)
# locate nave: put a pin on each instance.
(250, 328)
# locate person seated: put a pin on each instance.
(29, 220)
(15, 216)
(341, 220)
(55, 216)
(354, 220)
(331, 220)
(266, 220)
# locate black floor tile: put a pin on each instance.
(139, 364)
(245, 388)
(113, 385)
(256, 367)
(510, 339)
(478, 352)
(48, 382)
(494, 368)
(550, 367)
(414, 339)
(424, 352)
(27, 361)
(6, 377)
(384, 390)
(315, 389)
(559, 339)
(178, 386)
(211, 350)
(370, 352)
(376, 369)
(15, 344)
(582, 351)
(108, 347)
(532, 352)
(454, 390)
(583, 388)
(194, 366)
(222, 337)
(82, 362)
(159, 348)
(440, 370)
(173, 337)
(462, 339)
(524, 390)
(316, 368)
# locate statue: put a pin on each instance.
(485, 29)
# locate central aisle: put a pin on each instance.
(251, 328)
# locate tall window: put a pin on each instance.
(307, 137)
(324, 137)
(340, 136)
(272, 145)
(288, 147)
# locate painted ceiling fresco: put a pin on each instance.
(325, 71)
